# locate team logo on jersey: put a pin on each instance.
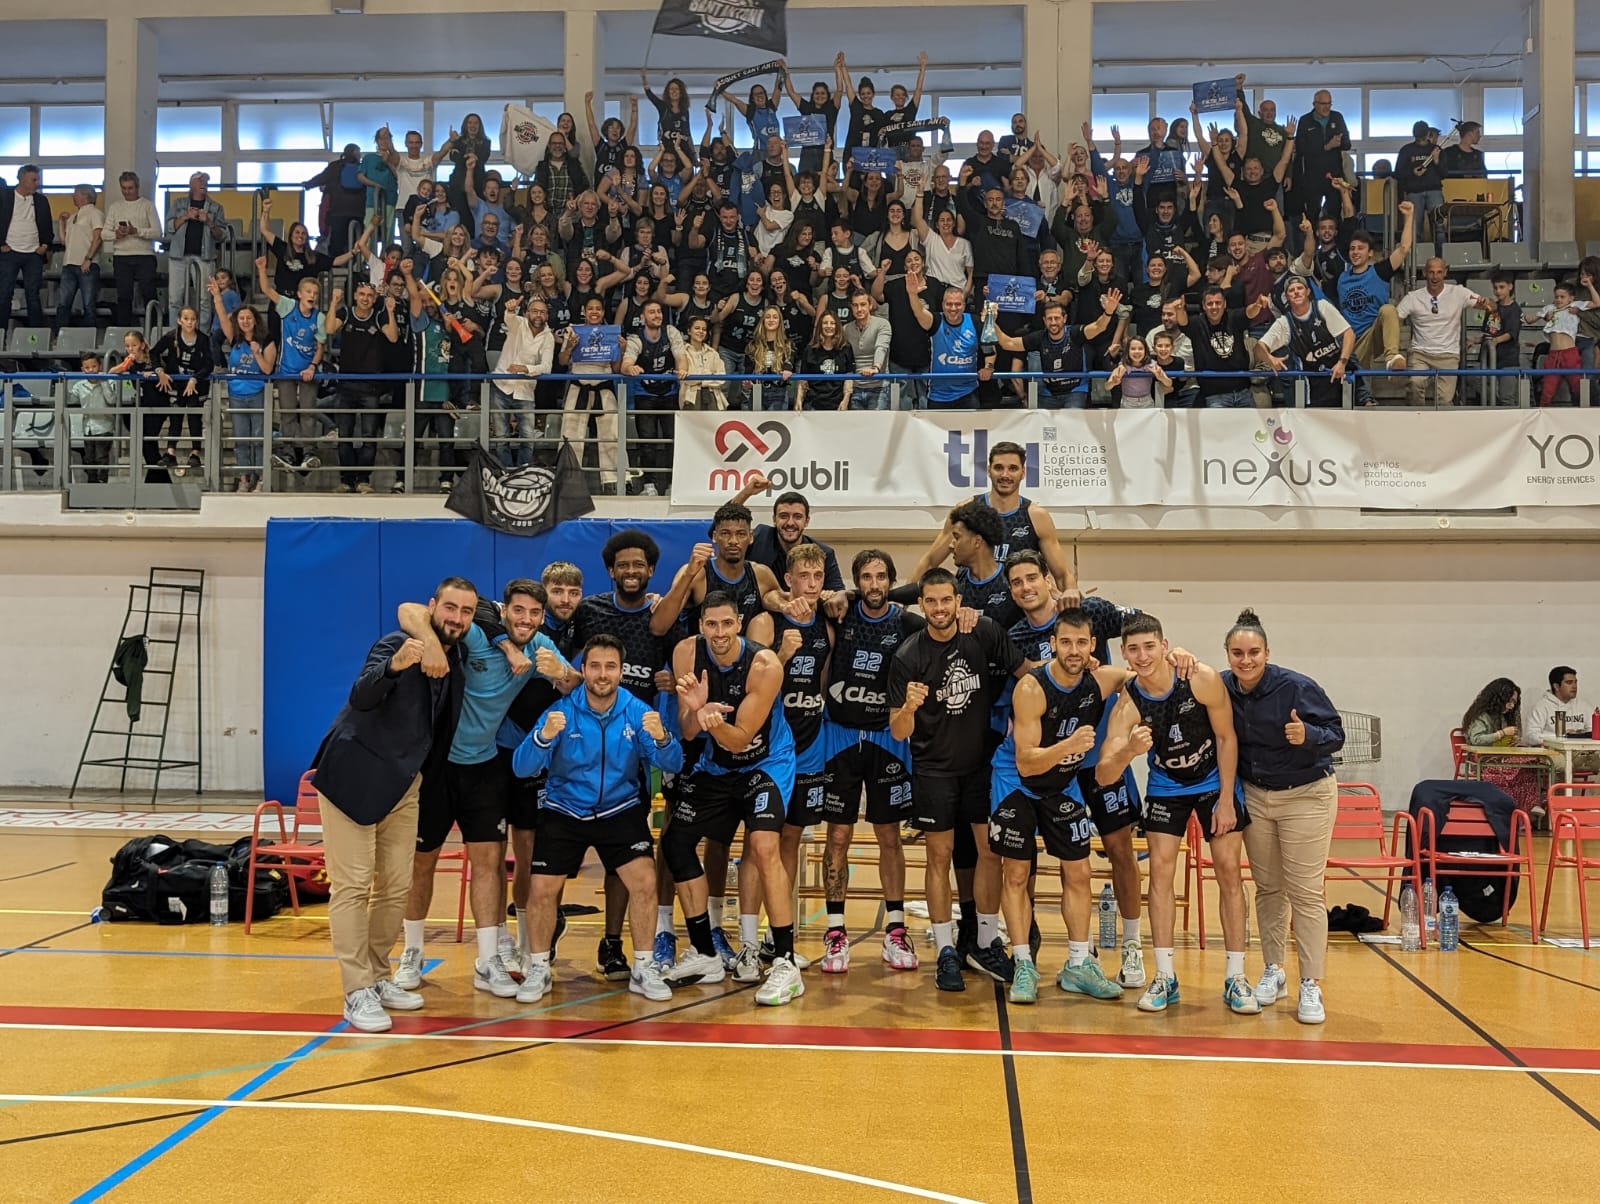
(959, 686)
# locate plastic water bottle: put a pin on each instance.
(1108, 918)
(1410, 928)
(1430, 905)
(219, 895)
(1449, 921)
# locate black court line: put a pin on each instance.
(35, 873)
(51, 937)
(1019, 1140)
(1530, 969)
(1488, 1039)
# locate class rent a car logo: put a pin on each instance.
(747, 451)
(1275, 458)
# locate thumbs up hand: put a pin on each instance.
(1294, 731)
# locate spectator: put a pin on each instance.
(98, 401)
(1540, 719)
(868, 338)
(1464, 161)
(1435, 311)
(1220, 345)
(769, 353)
(672, 117)
(819, 103)
(411, 171)
(1320, 142)
(529, 351)
(700, 359)
(377, 176)
(1165, 171)
(612, 140)
(133, 226)
(183, 352)
(828, 354)
(194, 226)
(364, 326)
(865, 118)
(472, 143)
(80, 262)
(910, 350)
(1364, 287)
(1417, 172)
(344, 200)
(1061, 349)
(1316, 336)
(1503, 333)
(25, 238)
(655, 351)
(252, 355)
(561, 177)
(304, 342)
(585, 399)
(141, 367)
(1495, 718)
(1560, 323)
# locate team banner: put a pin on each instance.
(775, 67)
(1013, 294)
(880, 159)
(521, 501)
(758, 23)
(1336, 459)
(1215, 95)
(809, 130)
(895, 133)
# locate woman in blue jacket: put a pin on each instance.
(595, 744)
(1288, 732)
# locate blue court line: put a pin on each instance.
(117, 1177)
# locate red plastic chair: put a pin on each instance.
(1360, 819)
(1205, 871)
(1574, 812)
(292, 854)
(1458, 742)
(1469, 819)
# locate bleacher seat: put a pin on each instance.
(1464, 257)
(1559, 256)
(1592, 247)
(1536, 291)
(112, 343)
(1513, 257)
(28, 342)
(76, 340)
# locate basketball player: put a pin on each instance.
(1027, 526)
(1186, 729)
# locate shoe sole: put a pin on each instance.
(405, 1007)
(532, 998)
(976, 966)
(408, 984)
(1124, 981)
(951, 987)
(744, 982)
(835, 968)
(1150, 1007)
(1322, 1019)
(778, 1003)
(636, 989)
(699, 979)
(483, 984)
(1010, 998)
(1077, 990)
(614, 975)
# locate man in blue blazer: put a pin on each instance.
(25, 237)
(401, 715)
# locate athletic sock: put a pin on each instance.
(782, 940)
(1077, 952)
(749, 928)
(1022, 953)
(700, 934)
(1235, 965)
(664, 919)
(488, 943)
(836, 916)
(714, 910)
(413, 933)
(541, 959)
(988, 929)
(1130, 930)
(944, 935)
(1164, 963)
(641, 959)
(894, 913)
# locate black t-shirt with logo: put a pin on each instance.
(1221, 348)
(817, 359)
(1055, 358)
(952, 726)
(644, 652)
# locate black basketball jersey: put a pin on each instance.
(803, 676)
(746, 593)
(644, 652)
(741, 325)
(655, 358)
(1035, 643)
(1064, 712)
(1311, 340)
(728, 684)
(991, 596)
(858, 671)
(1183, 752)
(1020, 535)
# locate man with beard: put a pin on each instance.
(728, 688)
(860, 755)
(369, 772)
(941, 690)
(771, 543)
(471, 788)
(970, 536)
(563, 584)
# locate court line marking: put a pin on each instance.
(134, 1165)
(50, 869)
(1008, 1066)
(518, 1122)
(802, 1047)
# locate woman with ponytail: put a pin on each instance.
(1288, 732)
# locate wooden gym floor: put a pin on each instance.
(150, 1063)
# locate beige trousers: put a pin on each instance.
(369, 875)
(1381, 343)
(1445, 386)
(1287, 840)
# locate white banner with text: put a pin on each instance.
(1374, 459)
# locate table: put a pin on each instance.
(1512, 756)
(1568, 745)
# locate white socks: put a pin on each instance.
(1235, 965)
(749, 929)
(663, 919)
(1022, 953)
(944, 935)
(1077, 952)
(541, 959)
(488, 943)
(714, 910)
(640, 959)
(988, 929)
(413, 931)
(1164, 963)
(1130, 930)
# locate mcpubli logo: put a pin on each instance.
(747, 451)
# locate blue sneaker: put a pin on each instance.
(948, 976)
(719, 942)
(1163, 989)
(1240, 996)
(665, 950)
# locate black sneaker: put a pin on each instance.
(992, 960)
(767, 952)
(613, 966)
(561, 926)
(1035, 939)
(948, 976)
(966, 937)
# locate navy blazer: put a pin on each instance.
(382, 736)
(41, 215)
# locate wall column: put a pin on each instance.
(1548, 142)
(584, 69)
(1057, 58)
(131, 83)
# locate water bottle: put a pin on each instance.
(1108, 918)
(219, 895)
(1594, 725)
(1430, 905)
(1449, 921)
(1410, 929)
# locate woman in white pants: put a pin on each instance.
(598, 399)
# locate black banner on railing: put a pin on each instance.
(521, 501)
(758, 23)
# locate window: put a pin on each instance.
(1391, 112)
(72, 130)
(16, 135)
(181, 128)
(281, 127)
(279, 173)
(1296, 103)
(1502, 112)
(449, 114)
(175, 177)
(1497, 163)
(1175, 104)
(971, 115)
(1129, 111)
(67, 177)
(356, 121)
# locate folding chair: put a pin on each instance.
(1560, 256)
(1360, 818)
(291, 853)
(1461, 257)
(1574, 811)
(1468, 819)
(1458, 742)
(28, 342)
(1513, 257)
(1205, 871)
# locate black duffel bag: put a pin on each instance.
(167, 881)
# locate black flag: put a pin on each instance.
(521, 501)
(757, 23)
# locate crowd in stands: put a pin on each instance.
(1186, 271)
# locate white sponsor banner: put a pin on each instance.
(1377, 459)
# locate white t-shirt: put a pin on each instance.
(1436, 321)
(948, 265)
(766, 239)
(80, 233)
(408, 173)
(24, 233)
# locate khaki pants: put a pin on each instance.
(369, 876)
(1288, 840)
(599, 400)
(1381, 343)
(1446, 385)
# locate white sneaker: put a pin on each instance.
(783, 985)
(510, 955)
(1274, 985)
(835, 952)
(395, 998)
(897, 951)
(363, 1012)
(409, 976)
(535, 983)
(1310, 1010)
(1132, 972)
(646, 980)
(491, 976)
(747, 965)
(692, 967)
